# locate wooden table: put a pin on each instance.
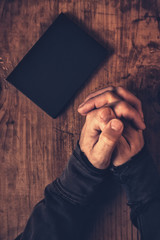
(34, 148)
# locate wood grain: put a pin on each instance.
(35, 148)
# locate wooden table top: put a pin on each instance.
(34, 148)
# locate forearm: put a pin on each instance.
(141, 182)
(65, 210)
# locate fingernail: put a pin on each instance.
(116, 125)
(81, 105)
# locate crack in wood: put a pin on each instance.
(66, 132)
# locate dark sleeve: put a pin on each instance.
(65, 210)
(141, 182)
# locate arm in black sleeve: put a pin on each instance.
(141, 182)
(64, 212)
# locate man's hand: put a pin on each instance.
(125, 105)
(99, 136)
(130, 143)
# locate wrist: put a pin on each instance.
(98, 161)
(123, 159)
(80, 178)
(139, 177)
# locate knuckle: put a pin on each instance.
(109, 94)
(120, 88)
(89, 116)
(104, 113)
(108, 141)
(93, 115)
(111, 88)
(123, 105)
(105, 139)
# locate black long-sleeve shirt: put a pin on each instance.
(66, 210)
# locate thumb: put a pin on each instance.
(108, 139)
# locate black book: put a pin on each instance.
(57, 65)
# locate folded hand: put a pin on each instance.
(104, 109)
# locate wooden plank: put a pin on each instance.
(34, 148)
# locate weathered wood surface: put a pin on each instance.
(33, 147)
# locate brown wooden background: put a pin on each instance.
(34, 148)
